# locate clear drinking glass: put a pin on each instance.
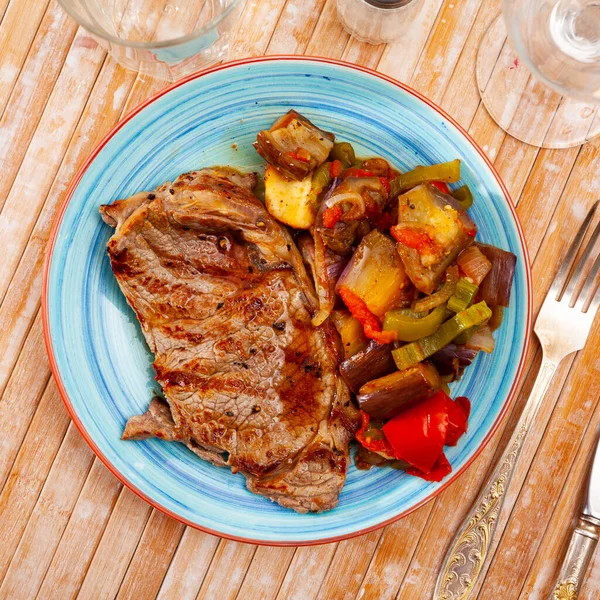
(163, 38)
(544, 86)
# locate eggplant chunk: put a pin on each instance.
(432, 230)
(387, 396)
(294, 146)
(372, 362)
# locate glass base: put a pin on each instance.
(522, 105)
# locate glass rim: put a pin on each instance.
(149, 45)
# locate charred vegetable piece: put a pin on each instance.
(446, 172)
(432, 230)
(375, 274)
(474, 264)
(452, 359)
(418, 434)
(365, 459)
(377, 166)
(371, 363)
(351, 332)
(416, 352)
(464, 197)
(463, 295)
(360, 196)
(387, 396)
(344, 152)
(411, 328)
(290, 201)
(495, 288)
(324, 286)
(371, 437)
(294, 146)
(443, 294)
(342, 237)
(497, 317)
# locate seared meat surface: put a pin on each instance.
(225, 305)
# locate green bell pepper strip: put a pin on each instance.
(448, 172)
(464, 196)
(410, 329)
(441, 296)
(463, 338)
(417, 351)
(464, 294)
(344, 152)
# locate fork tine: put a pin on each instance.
(576, 276)
(588, 287)
(561, 276)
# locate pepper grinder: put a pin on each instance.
(378, 21)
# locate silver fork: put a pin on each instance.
(562, 327)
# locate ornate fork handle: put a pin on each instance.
(467, 555)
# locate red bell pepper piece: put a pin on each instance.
(440, 185)
(332, 215)
(357, 172)
(372, 438)
(440, 469)
(300, 155)
(413, 238)
(418, 434)
(336, 168)
(385, 182)
(458, 415)
(371, 325)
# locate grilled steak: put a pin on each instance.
(225, 305)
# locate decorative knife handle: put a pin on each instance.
(466, 556)
(577, 559)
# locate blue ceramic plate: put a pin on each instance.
(99, 357)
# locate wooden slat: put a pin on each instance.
(31, 91)
(266, 573)
(155, 551)
(29, 472)
(309, 566)
(227, 571)
(19, 26)
(254, 42)
(49, 518)
(329, 37)
(295, 27)
(82, 534)
(393, 555)
(38, 167)
(20, 398)
(189, 565)
(350, 561)
(118, 544)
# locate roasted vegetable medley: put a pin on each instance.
(400, 274)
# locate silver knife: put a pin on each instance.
(583, 541)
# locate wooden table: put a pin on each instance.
(68, 527)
